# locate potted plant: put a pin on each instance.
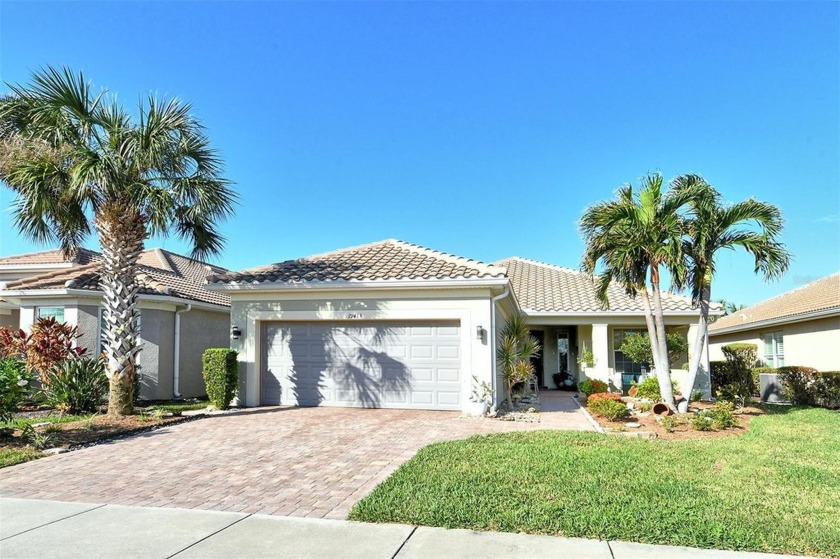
(481, 398)
(586, 358)
(558, 380)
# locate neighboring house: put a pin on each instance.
(179, 318)
(392, 324)
(800, 327)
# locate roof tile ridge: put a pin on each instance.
(78, 270)
(449, 257)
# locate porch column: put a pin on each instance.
(601, 351)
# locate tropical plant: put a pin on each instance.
(77, 160)
(49, 343)
(637, 347)
(713, 226)
(609, 409)
(632, 240)
(648, 389)
(516, 349)
(15, 387)
(75, 385)
(592, 386)
(12, 343)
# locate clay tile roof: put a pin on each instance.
(817, 296)
(160, 273)
(541, 287)
(83, 256)
(385, 260)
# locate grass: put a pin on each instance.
(22, 422)
(177, 407)
(11, 456)
(775, 488)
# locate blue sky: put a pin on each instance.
(482, 129)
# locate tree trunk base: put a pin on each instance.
(121, 396)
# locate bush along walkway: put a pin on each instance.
(775, 488)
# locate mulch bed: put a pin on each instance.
(100, 428)
(683, 430)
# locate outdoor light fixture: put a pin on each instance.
(235, 332)
(479, 332)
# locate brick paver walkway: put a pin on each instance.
(287, 461)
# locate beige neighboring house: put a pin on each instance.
(800, 327)
(179, 317)
(396, 325)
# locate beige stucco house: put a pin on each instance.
(179, 317)
(800, 327)
(393, 324)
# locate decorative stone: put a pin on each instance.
(42, 424)
(56, 450)
(633, 425)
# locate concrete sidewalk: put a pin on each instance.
(34, 529)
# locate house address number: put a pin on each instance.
(354, 315)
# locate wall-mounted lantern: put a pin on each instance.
(479, 332)
(235, 332)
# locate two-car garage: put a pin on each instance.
(376, 364)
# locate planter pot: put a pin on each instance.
(661, 408)
(476, 408)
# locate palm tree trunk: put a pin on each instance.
(663, 370)
(651, 327)
(121, 236)
(699, 340)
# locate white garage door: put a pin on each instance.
(362, 364)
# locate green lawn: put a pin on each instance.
(177, 407)
(54, 417)
(775, 488)
(10, 456)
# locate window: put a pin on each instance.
(629, 369)
(774, 349)
(102, 328)
(55, 312)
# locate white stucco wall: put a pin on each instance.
(470, 306)
(811, 343)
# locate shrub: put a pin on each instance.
(669, 423)
(603, 396)
(649, 388)
(221, 376)
(12, 343)
(756, 377)
(736, 393)
(701, 422)
(50, 342)
(15, 387)
(76, 385)
(806, 386)
(723, 415)
(743, 354)
(610, 409)
(733, 379)
(590, 386)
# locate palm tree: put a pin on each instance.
(516, 349)
(633, 239)
(751, 225)
(77, 160)
(729, 307)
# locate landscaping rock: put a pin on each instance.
(56, 450)
(633, 425)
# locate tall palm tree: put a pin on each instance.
(78, 161)
(712, 226)
(632, 240)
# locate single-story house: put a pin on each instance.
(179, 317)
(397, 325)
(800, 327)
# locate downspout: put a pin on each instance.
(176, 366)
(492, 335)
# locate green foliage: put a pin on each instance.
(586, 357)
(11, 455)
(637, 347)
(644, 406)
(221, 376)
(607, 408)
(669, 422)
(592, 386)
(15, 387)
(516, 349)
(723, 415)
(743, 354)
(806, 386)
(710, 492)
(702, 422)
(696, 395)
(648, 389)
(38, 439)
(736, 393)
(76, 385)
(733, 380)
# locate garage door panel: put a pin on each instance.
(401, 365)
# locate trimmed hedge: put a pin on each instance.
(221, 375)
(806, 386)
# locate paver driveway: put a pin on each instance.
(288, 461)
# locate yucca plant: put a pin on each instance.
(516, 349)
(76, 385)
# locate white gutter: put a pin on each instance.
(176, 366)
(355, 284)
(492, 335)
